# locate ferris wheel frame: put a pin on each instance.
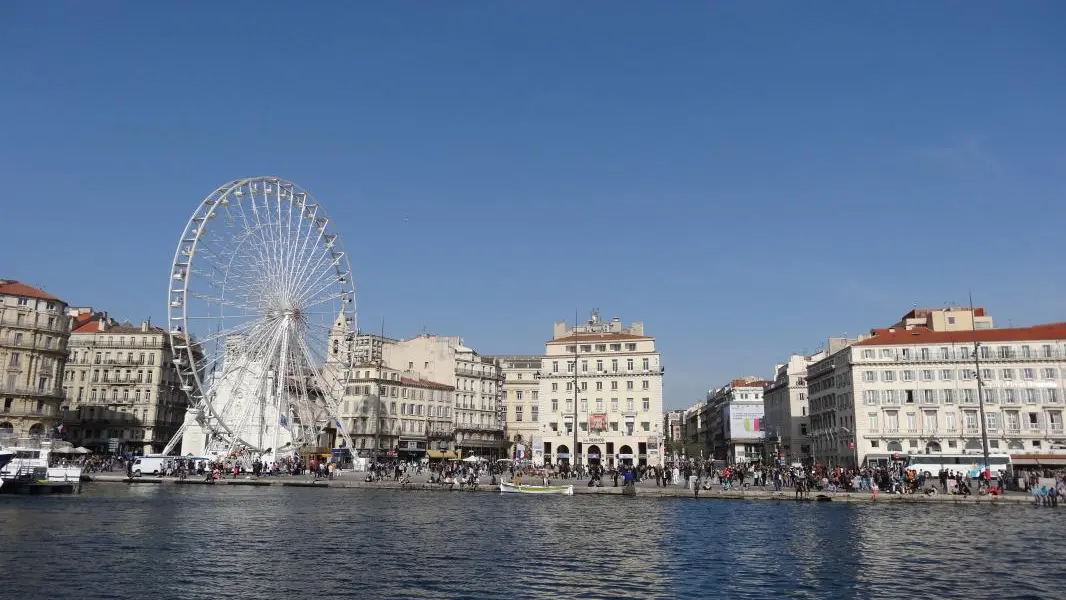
(188, 352)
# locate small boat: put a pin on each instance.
(566, 490)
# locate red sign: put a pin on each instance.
(598, 422)
(851, 445)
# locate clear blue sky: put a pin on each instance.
(746, 178)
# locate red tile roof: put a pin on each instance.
(17, 288)
(598, 337)
(921, 335)
(739, 383)
(427, 384)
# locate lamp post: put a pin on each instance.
(980, 394)
(573, 451)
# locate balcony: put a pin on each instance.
(31, 392)
(47, 411)
(40, 346)
(135, 343)
(59, 327)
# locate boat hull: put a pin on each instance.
(510, 488)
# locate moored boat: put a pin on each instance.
(566, 490)
(28, 466)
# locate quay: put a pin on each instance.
(642, 490)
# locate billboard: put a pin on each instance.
(598, 422)
(744, 421)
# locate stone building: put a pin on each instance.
(122, 391)
(34, 330)
(604, 381)
(520, 400)
(915, 388)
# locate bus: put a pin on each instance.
(972, 465)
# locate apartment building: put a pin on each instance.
(520, 400)
(736, 414)
(34, 331)
(122, 391)
(786, 409)
(604, 382)
(913, 388)
(390, 413)
(479, 426)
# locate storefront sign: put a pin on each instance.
(598, 422)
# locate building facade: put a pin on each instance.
(520, 399)
(674, 432)
(122, 391)
(787, 419)
(604, 382)
(34, 331)
(736, 414)
(390, 413)
(915, 388)
(479, 426)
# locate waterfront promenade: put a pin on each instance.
(349, 480)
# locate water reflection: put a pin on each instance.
(192, 542)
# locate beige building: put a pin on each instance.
(913, 389)
(122, 390)
(787, 420)
(390, 413)
(520, 401)
(34, 330)
(605, 382)
(476, 379)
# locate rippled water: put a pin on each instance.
(199, 542)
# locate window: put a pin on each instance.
(929, 421)
(629, 405)
(947, 374)
(599, 365)
(555, 366)
(870, 397)
(646, 385)
(599, 386)
(908, 375)
(1027, 373)
(584, 366)
(569, 366)
(517, 395)
(912, 422)
(645, 426)
(927, 374)
(584, 405)
(925, 353)
(891, 421)
(949, 421)
(872, 417)
(646, 404)
(629, 364)
(614, 404)
(945, 352)
(868, 353)
(631, 347)
(992, 420)
(599, 405)
(518, 414)
(1049, 373)
(970, 420)
(614, 365)
(534, 413)
(869, 376)
(886, 352)
(629, 385)
(614, 385)
(888, 376)
(646, 363)
(555, 387)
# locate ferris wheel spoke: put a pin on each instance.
(313, 264)
(305, 229)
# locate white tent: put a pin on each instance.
(473, 459)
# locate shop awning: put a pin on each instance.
(440, 453)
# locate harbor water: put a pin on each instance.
(206, 542)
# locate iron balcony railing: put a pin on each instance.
(60, 326)
(6, 390)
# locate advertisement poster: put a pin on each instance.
(745, 421)
(598, 422)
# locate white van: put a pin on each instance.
(153, 464)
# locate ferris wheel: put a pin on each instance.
(261, 304)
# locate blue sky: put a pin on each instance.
(746, 178)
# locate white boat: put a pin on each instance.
(566, 490)
(27, 460)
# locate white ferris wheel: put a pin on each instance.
(259, 289)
